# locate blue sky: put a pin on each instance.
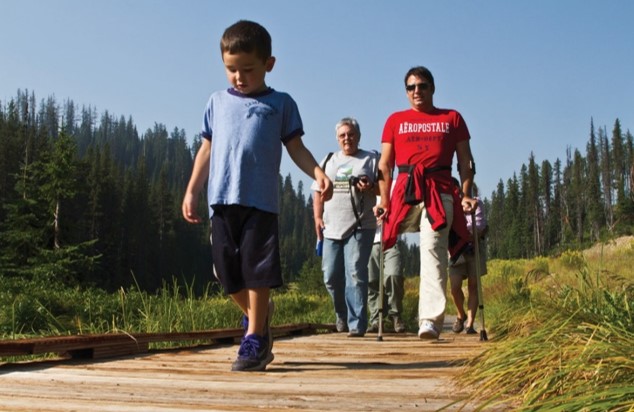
(527, 76)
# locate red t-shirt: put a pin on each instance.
(433, 135)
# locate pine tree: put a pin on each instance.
(48, 118)
(619, 170)
(557, 208)
(605, 168)
(163, 211)
(593, 197)
(11, 152)
(514, 218)
(57, 174)
(567, 200)
(22, 237)
(546, 193)
(534, 208)
(621, 154)
(577, 198)
(69, 121)
(496, 213)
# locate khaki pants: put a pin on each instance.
(432, 297)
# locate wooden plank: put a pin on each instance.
(109, 351)
(311, 372)
(101, 345)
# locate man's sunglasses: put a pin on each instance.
(412, 87)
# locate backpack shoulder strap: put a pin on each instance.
(323, 166)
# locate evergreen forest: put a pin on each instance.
(567, 204)
(88, 201)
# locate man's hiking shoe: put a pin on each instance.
(355, 334)
(253, 354)
(341, 325)
(399, 325)
(458, 325)
(471, 330)
(427, 330)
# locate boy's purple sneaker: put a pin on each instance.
(268, 337)
(253, 354)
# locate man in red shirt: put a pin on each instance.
(421, 143)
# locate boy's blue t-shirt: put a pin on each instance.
(246, 134)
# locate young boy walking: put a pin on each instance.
(248, 124)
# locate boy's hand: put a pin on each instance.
(200, 173)
(190, 207)
(305, 160)
(325, 187)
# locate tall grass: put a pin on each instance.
(29, 309)
(566, 340)
(561, 329)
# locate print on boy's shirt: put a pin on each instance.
(261, 110)
(342, 179)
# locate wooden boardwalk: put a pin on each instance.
(317, 372)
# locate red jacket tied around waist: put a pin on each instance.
(415, 184)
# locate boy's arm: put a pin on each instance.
(200, 173)
(307, 163)
(318, 214)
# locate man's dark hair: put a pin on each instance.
(423, 73)
(246, 37)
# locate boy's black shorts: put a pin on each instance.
(245, 248)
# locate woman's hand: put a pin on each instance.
(363, 184)
(319, 228)
(469, 204)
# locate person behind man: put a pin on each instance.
(393, 285)
(422, 141)
(465, 268)
(346, 224)
(248, 124)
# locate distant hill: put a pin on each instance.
(609, 247)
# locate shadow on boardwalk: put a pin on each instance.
(319, 372)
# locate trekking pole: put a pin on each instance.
(476, 247)
(379, 336)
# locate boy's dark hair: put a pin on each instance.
(422, 72)
(246, 37)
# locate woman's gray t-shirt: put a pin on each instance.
(339, 217)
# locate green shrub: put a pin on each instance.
(572, 259)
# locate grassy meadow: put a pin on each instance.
(563, 333)
(561, 329)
